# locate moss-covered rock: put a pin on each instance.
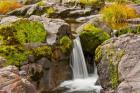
(65, 44)
(23, 31)
(14, 35)
(42, 51)
(91, 37)
(14, 54)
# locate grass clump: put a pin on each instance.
(8, 5)
(118, 13)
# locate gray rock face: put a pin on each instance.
(11, 82)
(56, 28)
(124, 51)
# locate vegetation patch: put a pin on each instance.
(23, 31)
(42, 51)
(91, 37)
(134, 30)
(117, 14)
(65, 44)
(14, 54)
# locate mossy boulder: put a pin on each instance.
(65, 44)
(113, 57)
(23, 31)
(14, 36)
(91, 37)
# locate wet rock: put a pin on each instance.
(121, 53)
(11, 82)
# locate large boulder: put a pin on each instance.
(11, 82)
(118, 64)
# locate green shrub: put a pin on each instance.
(91, 37)
(65, 44)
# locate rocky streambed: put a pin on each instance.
(37, 40)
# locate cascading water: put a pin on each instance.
(78, 61)
(81, 80)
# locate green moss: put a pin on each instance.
(13, 36)
(29, 31)
(65, 44)
(42, 51)
(98, 54)
(50, 11)
(15, 55)
(114, 56)
(92, 37)
(23, 31)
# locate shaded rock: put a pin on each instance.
(118, 65)
(10, 82)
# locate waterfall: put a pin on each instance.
(82, 81)
(78, 61)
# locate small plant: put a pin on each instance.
(8, 5)
(118, 13)
(65, 44)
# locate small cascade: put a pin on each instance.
(82, 82)
(78, 61)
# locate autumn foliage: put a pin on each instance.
(8, 5)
